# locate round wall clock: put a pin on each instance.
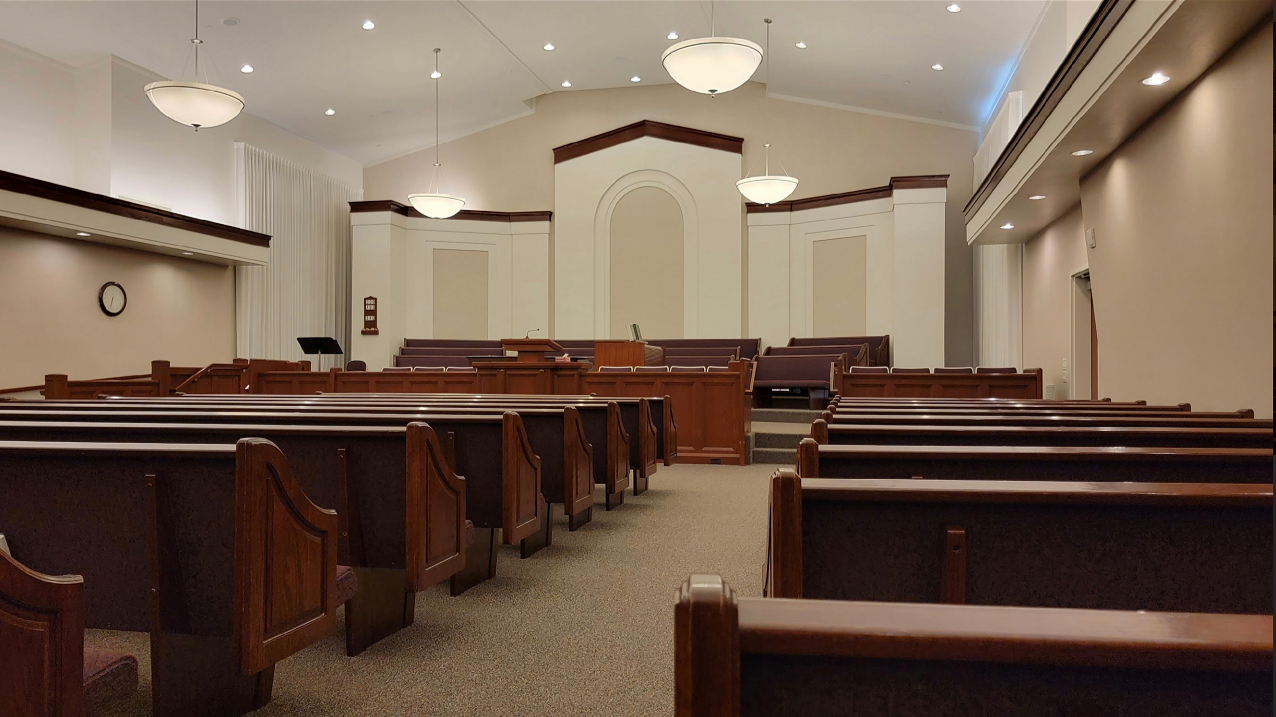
(112, 299)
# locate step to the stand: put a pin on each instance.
(784, 415)
(775, 456)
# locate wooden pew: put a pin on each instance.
(562, 437)
(738, 657)
(1115, 412)
(852, 434)
(979, 385)
(1184, 420)
(1050, 463)
(1177, 547)
(213, 549)
(400, 509)
(47, 668)
(867, 404)
(502, 472)
(637, 415)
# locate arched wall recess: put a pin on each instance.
(700, 176)
(602, 246)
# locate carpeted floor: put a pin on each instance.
(584, 627)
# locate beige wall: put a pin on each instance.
(1182, 271)
(50, 322)
(460, 294)
(510, 167)
(646, 264)
(1049, 260)
(838, 286)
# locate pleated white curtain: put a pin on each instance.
(999, 305)
(304, 290)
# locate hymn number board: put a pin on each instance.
(369, 315)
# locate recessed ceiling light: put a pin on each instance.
(635, 78)
(1035, 197)
(83, 234)
(230, 21)
(937, 67)
(246, 69)
(671, 36)
(368, 24)
(801, 46)
(1007, 225)
(1082, 152)
(566, 83)
(1156, 79)
(549, 46)
(953, 8)
(188, 253)
(330, 112)
(435, 75)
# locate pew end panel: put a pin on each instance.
(784, 549)
(41, 641)
(435, 512)
(522, 513)
(285, 569)
(578, 469)
(706, 649)
(617, 478)
(646, 445)
(670, 432)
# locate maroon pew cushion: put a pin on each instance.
(959, 369)
(108, 676)
(429, 368)
(347, 584)
(870, 369)
(996, 369)
(910, 370)
(651, 369)
(615, 369)
(686, 369)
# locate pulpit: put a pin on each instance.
(531, 350)
(531, 372)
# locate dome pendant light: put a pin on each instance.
(195, 104)
(434, 204)
(769, 188)
(712, 65)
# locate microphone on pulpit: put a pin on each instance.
(528, 335)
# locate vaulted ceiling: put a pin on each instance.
(312, 56)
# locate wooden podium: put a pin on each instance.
(531, 350)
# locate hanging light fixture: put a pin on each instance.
(712, 65)
(195, 104)
(768, 188)
(434, 204)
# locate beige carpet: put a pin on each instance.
(584, 627)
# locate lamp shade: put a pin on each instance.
(712, 65)
(436, 206)
(195, 104)
(767, 189)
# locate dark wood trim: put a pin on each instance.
(922, 181)
(1096, 32)
(648, 128)
(476, 215)
(19, 184)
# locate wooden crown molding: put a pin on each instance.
(30, 186)
(648, 128)
(922, 181)
(474, 215)
(1096, 32)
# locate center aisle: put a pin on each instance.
(583, 628)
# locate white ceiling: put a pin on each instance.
(309, 56)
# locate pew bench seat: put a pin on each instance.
(109, 677)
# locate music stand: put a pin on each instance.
(323, 345)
